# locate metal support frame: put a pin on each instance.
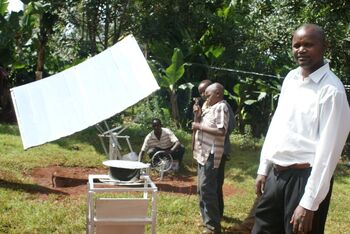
(103, 184)
(113, 152)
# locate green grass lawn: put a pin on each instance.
(22, 211)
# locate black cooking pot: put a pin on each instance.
(124, 170)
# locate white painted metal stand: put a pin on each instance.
(120, 215)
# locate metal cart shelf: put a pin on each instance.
(121, 215)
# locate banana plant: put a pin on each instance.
(242, 97)
(250, 92)
(169, 78)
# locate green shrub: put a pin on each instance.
(246, 142)
(152, 107)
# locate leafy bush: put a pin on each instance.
(246, 141)
(153, 107)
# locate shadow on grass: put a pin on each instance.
(231, 220)
(29, 188)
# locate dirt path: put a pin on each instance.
(71, 181)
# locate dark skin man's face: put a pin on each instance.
(157, 127)
(212, 96)
(308, 49)
(201, 89)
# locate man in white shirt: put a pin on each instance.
(304, 142)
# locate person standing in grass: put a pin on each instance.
(210, 125)
(227, 145)
(304, 142)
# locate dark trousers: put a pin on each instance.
(220, 182)
(207, 191)
(282, 194)
(178, 153)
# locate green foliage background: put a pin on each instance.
(220, 40)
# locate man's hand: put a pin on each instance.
(197, 111)
(302, 220)
(260, 184)
(196, 126)
(141, 155)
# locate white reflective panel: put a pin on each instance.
(83, 95)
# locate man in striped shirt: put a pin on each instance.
(211, 125)
(231, 124)
(162, 139)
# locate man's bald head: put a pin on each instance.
(214, 93)
(219, 89)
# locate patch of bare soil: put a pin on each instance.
(66, 181)
(70, 181)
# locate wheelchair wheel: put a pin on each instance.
(161, 161)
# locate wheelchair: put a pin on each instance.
(162, 161)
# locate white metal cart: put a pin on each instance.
(121, 215)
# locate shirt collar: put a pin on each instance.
(317, 75)
(154, 135)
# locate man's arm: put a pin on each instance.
(175, 146)
(144, 147)
(141, 154)
(334, 128)
(221, 115)
(210, 130)
(197, 111)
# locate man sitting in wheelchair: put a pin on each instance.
(164, 140)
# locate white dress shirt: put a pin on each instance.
(310, 125)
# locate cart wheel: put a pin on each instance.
(161, 161)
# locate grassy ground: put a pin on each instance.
(21, 211)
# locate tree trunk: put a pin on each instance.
(7, 113)
(106, 31)
(41, 50)
(174, 108)
(240, 120)
(122, 18)
(115, 28)
(92, 24)
(47, 21)
(40, 61)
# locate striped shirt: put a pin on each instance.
(167, 140)
(215, 116)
